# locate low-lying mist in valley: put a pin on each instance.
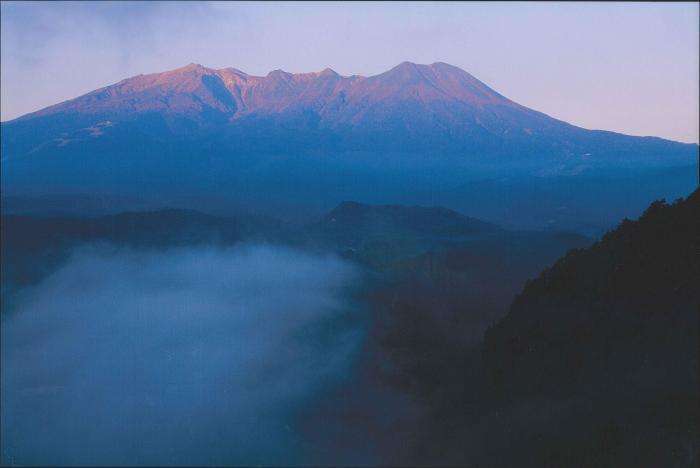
(178, 337)
(183, 356)
(175, 336)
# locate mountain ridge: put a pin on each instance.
(439, 100)
(284, 140)
(250, 93)
(619, 315)
(351, 220)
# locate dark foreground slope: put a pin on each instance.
(597, 362)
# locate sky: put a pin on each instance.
(625, 67)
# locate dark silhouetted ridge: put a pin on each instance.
(605, 343)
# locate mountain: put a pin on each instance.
(353, 224)
(642, 273)
(606, 341)
(200, 94)
(285, 139)
(451, 107)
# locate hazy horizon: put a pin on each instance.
(638, 74)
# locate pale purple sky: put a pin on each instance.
(626, 67)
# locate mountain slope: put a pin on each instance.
(649, 268)
(605, 342)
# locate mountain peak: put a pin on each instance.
(191, 67)
(405, 73)
(328, 72)
(235, 71)
(279, 73)
(446, 67)
(407, 67)
(420, 67)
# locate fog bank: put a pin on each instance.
(188, 356)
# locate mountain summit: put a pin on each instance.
(193, 90)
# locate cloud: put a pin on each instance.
(191, 356)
